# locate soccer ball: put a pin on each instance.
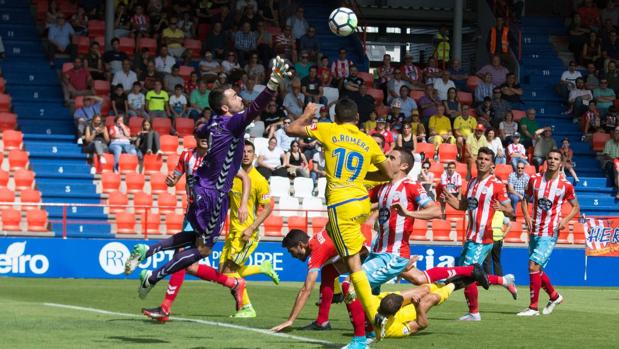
(342, 21)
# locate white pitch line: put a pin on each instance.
(198, 321)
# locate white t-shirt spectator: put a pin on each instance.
(177, 103)
(291, 104)
(442, 88)
(319, 161)
(283, 140)
(164, 64)
(228, 66)
(136, 101)
(273, 158)
(508, 128)
(580, 92)
(209, 68)
(496, 145)
(571, 78)
(125, 79)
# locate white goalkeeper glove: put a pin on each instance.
(279, 71)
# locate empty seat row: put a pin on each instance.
(126, 223)
(119, 202)
(302, 187)
(135, 182)
(36, 220)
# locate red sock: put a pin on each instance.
(210, 274)
(495, 279)
(440, 273)
(534, 285)
(328, 275)
(355, 313)
(471, 294)
(174, 287)
(548, 286)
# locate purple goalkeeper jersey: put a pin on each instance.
(226, 143)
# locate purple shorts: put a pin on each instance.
(207, 214)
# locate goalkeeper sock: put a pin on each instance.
(249, 270)
(174, 287)
(364, 293)
(246, 300)
(444, 292)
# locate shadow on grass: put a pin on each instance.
(138, 340)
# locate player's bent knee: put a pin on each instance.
(193, 269)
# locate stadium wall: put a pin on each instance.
(104, 258)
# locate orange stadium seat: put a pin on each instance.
(426, 148)
(8, 121)
(11, 219)
(518, 114)
(416, 94)
(152, 163)
(530, 170)
(149, 43)
(37, 220)
(134, 181)
(189, 141)
(171, 161)
(382, 110)
(5, 103)
(157, 183)
(465, 97)
(441, 230)
(30, 196)
(185, 71)
(128, 163)
(174, 223)
(377, 94)
(117, 202)
(180, 185)
(447, 152)
(166, 203)
(162, 125)
(125, 223)
(579, 233)
(460, 229)
(12, 139)
(420, 230)
(169, 144)
(452, 213)
(102, 87)
(82, 43)
(96, 28)
(461, 169)
(109, 121)
(502, 171)
(273, 225)
(6, 195)
(4, 177)
(183, 197)
(599, 141)
(110, 181)
(195, 46)
(514, 234)
(318, 224)
(184, 126)
(2, 85)
(109, 163)
(367, 78)
(152, 222)
(18, 159)
(472, 82)
(23, 179)
(127, 45)
(142, 201)
(297, 222)
(437, 168)
(135, 125)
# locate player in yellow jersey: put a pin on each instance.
(243, 237)
(349, 153)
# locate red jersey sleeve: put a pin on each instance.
(417, 195)
(322, 250)
(569, 192)
(529, 190)
(180, 166)
(373, 193)
(500, 193)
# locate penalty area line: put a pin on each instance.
(197, 321)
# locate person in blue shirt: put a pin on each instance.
(59, 37)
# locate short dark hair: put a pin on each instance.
(248, 142)
(451, 163)
(557, 151)
(137, 83)
(216, 100)
(486, 150)
(115, 40)
(390, 304)
(406, 157)
(293, 238)
(346, 110)
(177, 86)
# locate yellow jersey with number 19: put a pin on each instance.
(348, 156)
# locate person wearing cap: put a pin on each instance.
(381, 128)
(463, 127)
(83, 115)
(440, 128)
(395, 114)
(544, 143)
(173, 36)
(516, 152)
(474, 141)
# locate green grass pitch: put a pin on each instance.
(587, 319)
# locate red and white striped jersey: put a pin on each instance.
(548, 197)
(394, 230)
(188, 163)
(479, 196)
(516, 149)
(453, 183)
(341, 68)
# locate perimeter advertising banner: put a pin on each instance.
(104, 259)
(602, 237)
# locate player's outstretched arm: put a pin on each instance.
(383, 174)
(299, 303)
(297, 127)
(243, 212)
(428, 212)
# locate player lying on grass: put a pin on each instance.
(207, 213)
(485, 195)
(240, 243)
(404, 313)
(321, 255)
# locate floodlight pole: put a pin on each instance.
(109, 23)
(457, 29)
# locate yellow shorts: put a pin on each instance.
(344, 228)
(237, 250)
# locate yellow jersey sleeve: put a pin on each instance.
(263, 192)
(320, 131)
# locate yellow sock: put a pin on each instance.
(369, 302)
(246, 300)
(337, 287)
(444, 292)
(249, 270)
